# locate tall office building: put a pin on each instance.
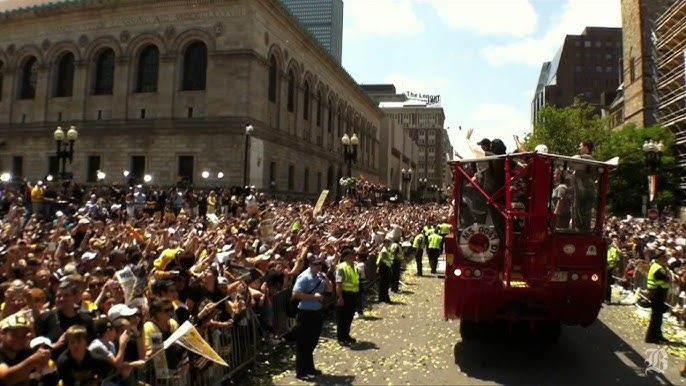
(586, 66)
(323, 19)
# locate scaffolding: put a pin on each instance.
(669, 37)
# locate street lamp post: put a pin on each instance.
(206, 175)
(653, 152)
(407, 178)
(350, 151)
(422, 186)
(248, 132)
(65, 149)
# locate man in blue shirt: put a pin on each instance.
(309, 288)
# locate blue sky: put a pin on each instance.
(482, 56)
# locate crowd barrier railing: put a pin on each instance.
(240, 345)
(640, 282)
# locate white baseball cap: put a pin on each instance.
(120, 310)
(541, 148)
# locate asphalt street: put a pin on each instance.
(409, 343)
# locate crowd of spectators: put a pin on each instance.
(639, 241)
(90, 277)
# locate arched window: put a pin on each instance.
(340, 121)
(194, 67)
(65, 76)
(330, 115)
(273, 71)
(148, 65)
(2, 73)
(319, 108)
(29, 76)
(104, 73)
(306, 102)
(291, 91)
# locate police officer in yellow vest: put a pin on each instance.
(443, 230)
(397, 256)
(347, 288)
(434, 250)
(612, 260)
(428, 230)
(658, 285)
(383, 268)
(418, 245)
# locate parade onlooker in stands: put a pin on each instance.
(17, 360)
(76, 365)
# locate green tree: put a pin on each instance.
(562, 129)
(629, 182)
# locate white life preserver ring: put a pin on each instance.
(479, 243)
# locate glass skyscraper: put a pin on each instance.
(323, 19)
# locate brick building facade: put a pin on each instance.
(166, 88)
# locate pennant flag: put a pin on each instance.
(189, 338)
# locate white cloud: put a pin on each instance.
(488, 17)
(426, 84)
(575, 16)
(380, 18)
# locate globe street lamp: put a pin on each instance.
(248, 132)
(653, 152)
(101, 176)
(147, 178)
(350, 145)
(65, 150)
(5, 177)
(421, 184)
(407, 178)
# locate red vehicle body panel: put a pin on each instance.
(537, 273)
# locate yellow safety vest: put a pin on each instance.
(612, 257)
(428, 230)
(384, 258)
(418, 241)
(652, 283)
(396, 251)
(435, 241)
(444, 229)
(351, 280)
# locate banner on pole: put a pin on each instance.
(320, 202)
(189, 338)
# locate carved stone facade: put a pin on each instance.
(171, 90)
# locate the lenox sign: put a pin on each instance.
(429, 99)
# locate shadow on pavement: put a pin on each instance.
(371, 318)
(334, 380)
(363, 346)
(591, 356)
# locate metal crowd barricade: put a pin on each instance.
(640, 282)
(282, 322)
(238, 346)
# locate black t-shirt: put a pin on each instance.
(86, 372)
(20, 357)
(53, 324)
